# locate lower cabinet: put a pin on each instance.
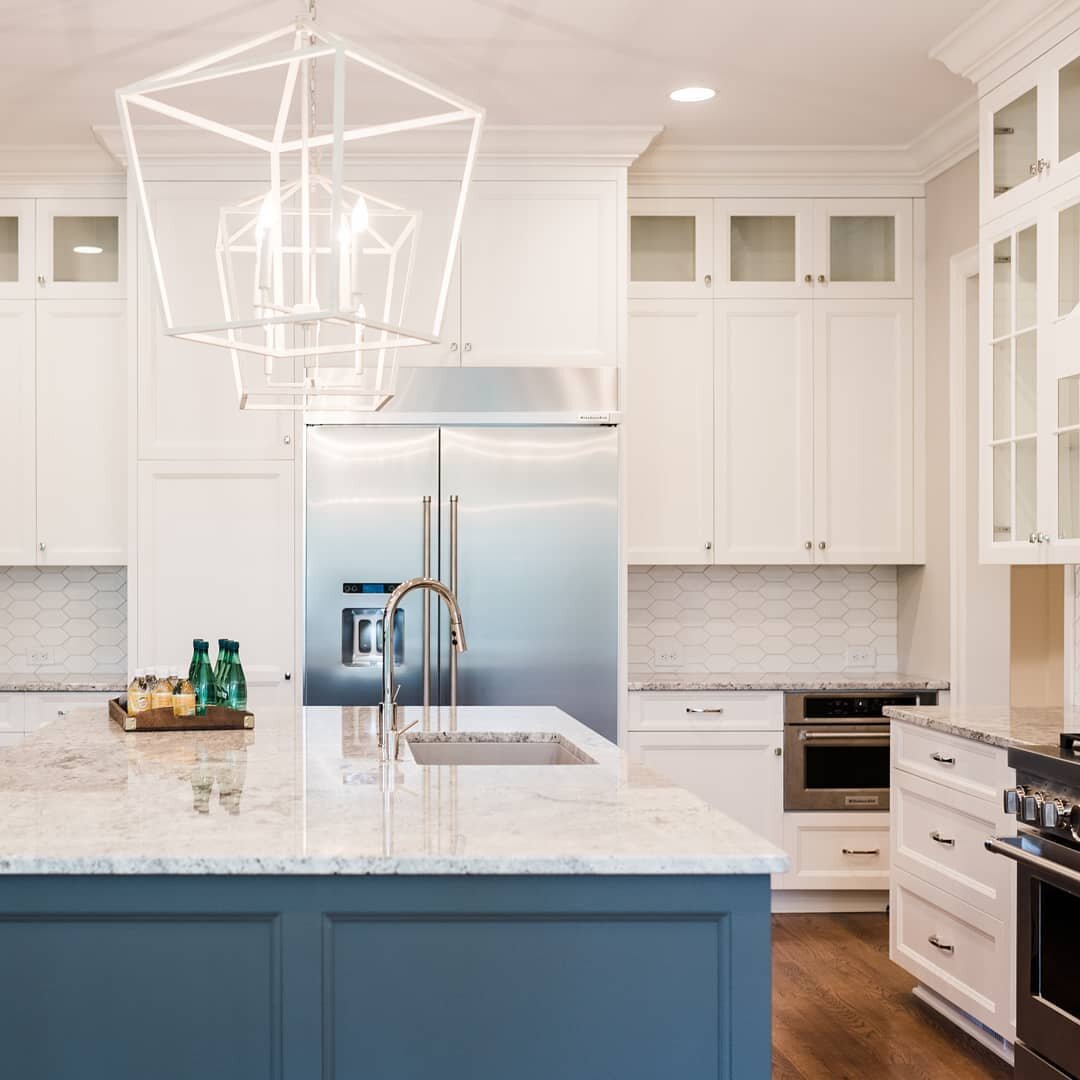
(216, 559)
(24, 712)
(741, 772)
(837, 850)
(952, 903)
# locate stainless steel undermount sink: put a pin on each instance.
(487, 748)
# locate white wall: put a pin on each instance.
(952, 226)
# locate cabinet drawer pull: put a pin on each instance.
(942, 759)
(691, 709)
(945, 841)
(860, 851)
(939, 944)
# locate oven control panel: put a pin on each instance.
(1043, 809)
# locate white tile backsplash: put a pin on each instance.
(77, 613)
(761, 618)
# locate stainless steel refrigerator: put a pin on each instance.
(536, 552)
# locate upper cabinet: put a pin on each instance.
(16, 249)
(771, 248)
(671, 249)
(80, 246)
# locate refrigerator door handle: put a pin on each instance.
(426, 623)
(454, 590)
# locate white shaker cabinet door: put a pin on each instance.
(82, 433)
(764, 474)
(668, 427)
(188, 402)
(18, 544)
(540, 274)
(216, 560)
(737, 772)
(863, 432)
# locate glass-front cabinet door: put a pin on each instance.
(671, 249)
(1013, 121)
(80, 249)
(862, 249)
(16, 249)
(1012, 466)
(764, 248)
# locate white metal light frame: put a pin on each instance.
(309, 197)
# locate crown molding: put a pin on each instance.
(898, 169)
(581, 145)
(998, 32)
(57, 164)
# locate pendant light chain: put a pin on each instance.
(313, 86)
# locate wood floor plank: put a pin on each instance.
(843, 1011)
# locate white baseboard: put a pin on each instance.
(979, 1032)
(824, 901)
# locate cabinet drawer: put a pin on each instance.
(42, 709)
(673, 711)
(939, 836)
(11, 713)
(963, 764)
(837, 850)
(969, 965)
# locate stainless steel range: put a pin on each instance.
(836, 748)
(1046, 850)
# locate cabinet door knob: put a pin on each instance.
(453, 346)
(41, 545)
(809, 279)
(41, 279)
(288, 676)
(821, 279)
(821, 545)
(708, 545)
(808, 544)
(468, 346)
(708, 281)
(287, 440)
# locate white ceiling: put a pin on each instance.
(787, 72)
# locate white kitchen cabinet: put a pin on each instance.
(831, 850)
(17, 477)
(739, 773)
(43, 709)
(539, 274)
(862, 249)
(81, 433)
(80, 249)
(216, 557)
(12, 714)
(16, 249)
(671, 249)
(668, 419)
(863, 432)
(764, 432)
(188, 405)
(765, 248)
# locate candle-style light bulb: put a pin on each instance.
(360, 216)
(358, 223)
(264, 227)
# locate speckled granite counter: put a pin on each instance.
(749, 680)
(37, 683)
(1002, 726)
(305, 793)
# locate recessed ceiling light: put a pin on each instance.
(87, 249)
(693, 93)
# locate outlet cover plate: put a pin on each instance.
(667, 658)
(860, 656)
(42, 657)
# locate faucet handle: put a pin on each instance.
(407, 727)
(397, 690)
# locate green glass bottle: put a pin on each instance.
(202, 678)
(222, 657)
(235, 682)
(195, 643)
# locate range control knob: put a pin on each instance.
(1073, 821)
(1054, 813)
(1013, 799)
(1031, 808)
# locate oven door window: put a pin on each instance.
(1056, 958)
(846, 766)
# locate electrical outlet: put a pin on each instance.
(42, 657)
(667, 658)
(862, 656)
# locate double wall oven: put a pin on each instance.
(836, 748)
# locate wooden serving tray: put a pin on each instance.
(217, 718)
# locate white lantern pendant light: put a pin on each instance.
(296, 262)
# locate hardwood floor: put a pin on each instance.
(843, 1011)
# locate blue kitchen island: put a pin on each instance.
(281, 904)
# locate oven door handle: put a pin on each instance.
(1044, 866)
(881, 737)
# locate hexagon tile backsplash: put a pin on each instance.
(77, 615)
(761, 618)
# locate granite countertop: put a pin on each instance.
(807, 680)
(305, 793)
(999, 726)
(36, 683)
